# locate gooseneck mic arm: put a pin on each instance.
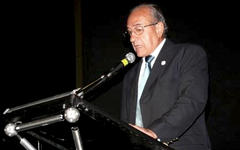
(129, 58)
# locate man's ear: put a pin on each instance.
(160, 29)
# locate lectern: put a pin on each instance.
(68, 122)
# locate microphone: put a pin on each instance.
(129, 58)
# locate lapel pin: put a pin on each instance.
(163, 62)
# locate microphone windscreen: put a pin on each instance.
(130, 57)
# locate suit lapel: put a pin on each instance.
(134, 90)
(159, 66)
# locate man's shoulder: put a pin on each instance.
(178, 44)
(186, 47)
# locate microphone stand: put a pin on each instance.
(91, 86)
(96, 83)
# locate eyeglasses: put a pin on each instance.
(138, 29)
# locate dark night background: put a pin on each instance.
(39, 57)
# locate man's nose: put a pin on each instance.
(132, 37)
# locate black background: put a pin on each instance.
(38, 53)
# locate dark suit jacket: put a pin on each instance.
(174, 97)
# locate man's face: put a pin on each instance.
(144, 43)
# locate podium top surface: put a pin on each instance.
(97, 128)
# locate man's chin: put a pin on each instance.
(139, 54)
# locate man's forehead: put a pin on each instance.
(138, 20)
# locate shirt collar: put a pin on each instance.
(156, 52)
